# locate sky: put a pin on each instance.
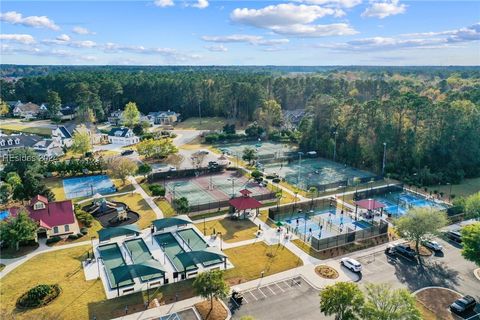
(247, 32)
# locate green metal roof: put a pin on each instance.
(108, 233)
(172, 221)
(200, 256)
(147, 268)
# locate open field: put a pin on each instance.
(232, 230)
(466, 188)
(165, 206)
(251, 260)
(27, 127)
(56, 185)
(213, 123)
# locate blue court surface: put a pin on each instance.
(3, 215)
(87, 186)
(398, 204)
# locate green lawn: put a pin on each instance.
(232, 230)
(18, 127)
(212, 123)
(165, 206)
(136, 203)
(56, 185)
(466, 188)
(251, 260)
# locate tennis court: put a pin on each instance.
(167, 242)
(140, 253)
(87, 186)
(264, 149)
(112, 257)
(314, 171)
(196, 242)
(211, 188)
(398, 203)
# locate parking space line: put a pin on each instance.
(259, 289)
(276, 283)
(244, 300)
(251, 293)
(271, 290)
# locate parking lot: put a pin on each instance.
(291, 298)
(187, 314)
(446, 269)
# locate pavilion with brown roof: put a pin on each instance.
(245, 202)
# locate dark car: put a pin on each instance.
(127, 152)
(404, 250)
(463, 304)
(454, 236)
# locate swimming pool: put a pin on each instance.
(87, 186)
(4, 215)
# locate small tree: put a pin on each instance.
(256, 174)
(18, 229)
(249, 154)
(144, 169)
(471, 242)
(420, 224)
(157, 190)
(54, 104)
(4, 109)
(131, 115)
(81, 141)
(181, 205)
(343, 299)
(472, 206)
(386, 303)
(210, 284)
(121, 168)
(6, 193)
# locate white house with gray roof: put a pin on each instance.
(122, 136)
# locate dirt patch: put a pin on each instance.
(424, 252)
(437, 301)
(209, 312)
(326, 272)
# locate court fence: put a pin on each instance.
(185, 173)
(280, 213)
(369, 193)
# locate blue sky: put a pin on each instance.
(208, 32)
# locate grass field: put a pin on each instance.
(251, 260)
(26, 128)
(232, 230)
(56, 185)
(136, 203)
(165, 206)
(466, 188)
(213, 123)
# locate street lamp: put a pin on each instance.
(384, 157)
(299, 166)
(233, 186)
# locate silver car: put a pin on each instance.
(351, 264)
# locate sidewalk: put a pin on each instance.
(147, 198)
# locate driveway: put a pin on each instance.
(288, 299)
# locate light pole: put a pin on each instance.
(299, 166)
(233, 186)
(335, 147)
(384, 157)
(449, 192)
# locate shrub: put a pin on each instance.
(256, 174)
(270, 177)
(259, 179)
(53, 239)
(157, 190)
(84, 231)
(276, 180)
(84, 217)
(38, 296)
(73, 237)
(79, 235)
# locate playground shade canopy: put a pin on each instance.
(369, 204)
(138, 270)
(108, 233)
(206, 257)
(171, 222)
(244, 203)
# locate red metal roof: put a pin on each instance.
(243, 203)
(55, 213)
(369, 204)
(39, 198)
(245, 192)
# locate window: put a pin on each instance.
(10, 142)
(55, 229)
(67, 228)
(2, 143)
(38, 205)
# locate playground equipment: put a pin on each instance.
(111, 213)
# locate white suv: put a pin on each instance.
(351, 264)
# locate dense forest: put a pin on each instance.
(429, 117)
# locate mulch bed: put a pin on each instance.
(218, 311)
(437, 300)
(326, 272)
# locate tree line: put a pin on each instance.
(429, 118)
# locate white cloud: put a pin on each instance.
(470, 33)
(169, 54)
(201, 4)
(163, 3)
(82, 31)
(245, 38)
(385, 8)
(63, 37)
(21, 38)
(14, 17)
(335, 3)
(293, 20)
(74, 44)
(217, 48)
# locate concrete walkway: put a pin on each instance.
(147, 198)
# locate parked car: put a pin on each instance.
(127, 152)
(171, 168)
(404, 250)
(351, 264)
(454, 235)
(463, 304)
(432, 245)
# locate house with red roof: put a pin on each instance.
(53, 218)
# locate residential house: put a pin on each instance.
(96, 136)
(115, 118)
(67, 113)
(27, 110)
(53, 218)
(292, 118)
(48, 148)
(123, 136)
(62, 136)
(163, 117)
(16, 141)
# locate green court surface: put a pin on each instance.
(140, 253)
(317, 171)
(196, 242)
(190, 190)
(172, 248)
(112, 257)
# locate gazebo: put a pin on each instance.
(369, 204)
(245, 202)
